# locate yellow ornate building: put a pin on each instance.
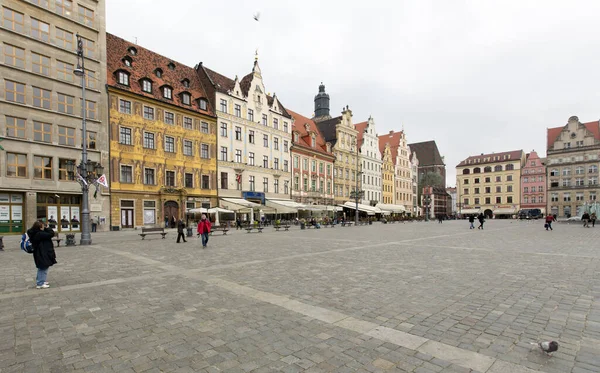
(387, 171)
(162, 138)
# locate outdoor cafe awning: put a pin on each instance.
(323, 208)
(505, 211)
(285, 206)
(396, 209)
(470, 211)
(238, 204)
(200, 210)
(370, 210)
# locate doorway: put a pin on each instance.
(127, 213)
(171, 213)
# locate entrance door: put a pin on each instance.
(171, 213)
(127, 218)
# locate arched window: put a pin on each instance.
(477, 170)
(127, 61)
(510, 167)
(186, 83)
(487, 169)
(158, 73)
(132, 51)
(498, 168)
(171, 66)
(466, 171)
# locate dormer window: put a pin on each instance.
(307, 126)
(123, 77)
(147, 86)
(186, 83)
(158, 73)
(127, 61)
(328, 147)
(168, 93)
(171, 66)
(132, 51)
(203, 104)
(186, 98)
(313, 141)
(296, 137)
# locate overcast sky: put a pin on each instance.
(475, 76)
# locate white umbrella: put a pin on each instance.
(200, 210)
(219, 209)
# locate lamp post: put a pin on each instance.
(88, 171)
(427, 201)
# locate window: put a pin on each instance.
(170, 178)
(238, 110)
(167, 92)
(525, 199)
(41, 98)
(264, 119)
(285, 127)
(91, 80)
(149, 140)
(296, 137)
(224, 180)
(510, 189)
(125, 135)
(149, 176)
(579, 143)
(15, 127)
(498, 199)
(567, 197)
(305, 165)
(251, 136)
(579, 181)
(223, 129)
(251, 115)
(498, 168)
(204, 151)
(592, 196)
(476, 180)
(296, 162)
(509, 199)
(125, 106)
(285, 146)
(203, 104)
(127, 61)
(476, 201)
(64, 7)
(158, 73)
(169, 144)
(251, 181)
(465, 190)
(169, 118)
(498, 179)
(186, 98)
(465, 181)
(526, 190)
(40, 30)
(223, 153)
(14, 91)
(188, 123)
(147, 86)
(509, 178)
(238, 133)
(579, 170)
(204, 127)
(42, 131)
(251, 159)
(66, 136)
(275, 123)
(498, 189)
(16, 165)
(91, 140)
(285, 187)
(579, 197)
(476, 191)
(305, 184)
(566, 171)
(266, 184)
(276, 163)
(276, 143)
(296, 183)
(238, 156)
(224, 105)
(593, 180)
(276, 186)
(148, 113)
(189, 180)
(90, 109)
(313, 167)
(126, 174)
(64, 39)
(488, 200)
(123, 78)
(40, 64)
(14, 56)
(265, 161)
(42, 167)
(188, 148)
(13, 20)
(266, 141)
(593, 169)
(64, 71)
(510, 167)
(86, 16)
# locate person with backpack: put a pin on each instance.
(549, 220)
(204, 229)
(44, 255)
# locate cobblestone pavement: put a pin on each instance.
(416, 297)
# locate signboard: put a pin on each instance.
(65, 213)
(4, 198)
(17, 213)
(16, 198)
(52, 217)
(95, 207)
(75, 219)
(4, 213)
(254, 195)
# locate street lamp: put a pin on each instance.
(427, 201)
(88, 171)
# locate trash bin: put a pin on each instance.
(302, 225)
(70, 239)
(189, 231)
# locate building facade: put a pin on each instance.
(162, 138)
(414, 179)
(403, 188)
(452, 201)
(255, 138)
(312, 163)
(387, 171)
(370, 161)
(490, 184)
(533, 183)
(572, 167)
(41, 111)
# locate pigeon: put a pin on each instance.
(547, 347)
(257, 16)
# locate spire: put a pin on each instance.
(322, 103)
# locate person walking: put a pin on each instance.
(481, 219)
(238, 223)
(549, 220)
(44, 255)
(204, 229)
(471, 221)
(180, 230)
(593, 219)
(586, 220)
(94, 222)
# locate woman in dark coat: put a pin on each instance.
(43, 251)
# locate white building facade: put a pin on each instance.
(414, 177)
(370, 161)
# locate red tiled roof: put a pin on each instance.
(394, 140)
(304, 138)
(360, 127)
(144, 64)
(553, 133)
(492, 158)
(383, 140)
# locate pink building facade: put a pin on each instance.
(533, 183)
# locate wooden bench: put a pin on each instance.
(259, 229)
(148, 231)
(219, 229)
(57, 239)
(347, 224)
(278, 227)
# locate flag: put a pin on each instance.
(79, 177)
(238, 178)
(102, 181)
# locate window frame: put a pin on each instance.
(15, 25)
(149, 140)
(125, 135)
(69, 135)
(188, 148)
(18, 97)
(125, 177)
(45, 171)
(16, 127)
(170, 116)
(41, 132)
(68, 104)
(17, 165)
(43, 96)
(124, 106)
(169, 144)
(13, 56)
(37, 30)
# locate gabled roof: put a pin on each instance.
(553, 133)
(428, 153)
(327, 128)
(383, 140)
(394, 139)
(143, 65)
(304, 139)
(503, 157)
(360, 127)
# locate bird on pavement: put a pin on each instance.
(547, 347)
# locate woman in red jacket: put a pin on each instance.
(204, 229)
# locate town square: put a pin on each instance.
(414, 297)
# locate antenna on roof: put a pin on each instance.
(136, 40)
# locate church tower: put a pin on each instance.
(322, 104)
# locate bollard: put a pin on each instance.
(70, 239)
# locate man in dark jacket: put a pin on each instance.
(180, 229)
(481, 219)
(43, 252)
(471, 221)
